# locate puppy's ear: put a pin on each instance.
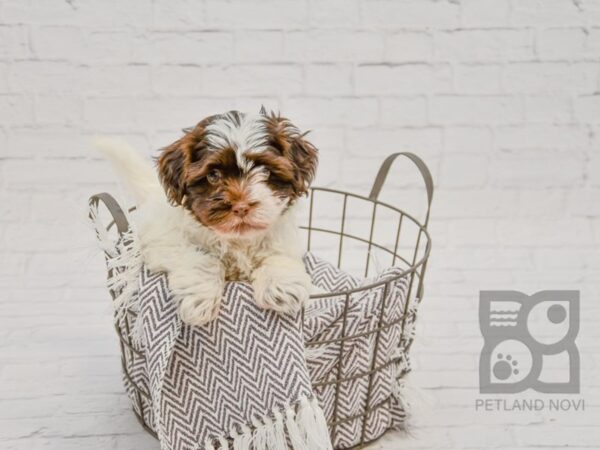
(291, 144)
(304, 155)
(174, 160)
(171, 171)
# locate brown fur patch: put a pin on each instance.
(289, 143)
(175, 159)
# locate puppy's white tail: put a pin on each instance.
(134, 170)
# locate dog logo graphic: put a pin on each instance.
(529, 342)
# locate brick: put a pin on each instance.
(587, 108)
(16, 109)
(55, 12)
(126, 80)
(178, 80)
(547, 13)
(14, 207)
(334, 13)
(47, 142)
(593, 169)
(478, 79)
(551, 77)
(410, 14)
(562, 43)
(190, 15)
(330, 46)
(264, 15)
(4, 89)
(467, 139)
(549, 109)
(484, 45)
(42, 77)
(547, 169)
(179, 48)
(329, 79)
(474, 203)
(408, 79)
(541, 203)
(258, 46)
(252, 80)
(376, 143)
(58, 42)
(483, 13)
(409, 46)
(403, 111)
(319, 112)
(560, 258)
(41, 175)
(111, 46)
(58, 109)
(14, 42)
(592, 45)
(109, 114)
(465, 171)
(473, 232)
(72, 43)
(475, 110)
(542, 136)
(535, 232)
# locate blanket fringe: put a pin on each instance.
(124, 260)
(305, 428)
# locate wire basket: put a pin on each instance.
(355, 231)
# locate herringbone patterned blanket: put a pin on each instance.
(240, 381)
(224, 384)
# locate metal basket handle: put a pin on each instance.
(118, 216)
(385, 168)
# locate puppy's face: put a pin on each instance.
(238, 173)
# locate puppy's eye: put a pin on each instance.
(214, 176)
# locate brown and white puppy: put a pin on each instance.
(233, 181)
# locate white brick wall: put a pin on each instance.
(501, 98)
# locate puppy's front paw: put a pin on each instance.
(284, 293)
(197, 311)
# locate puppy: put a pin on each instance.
(232, 183)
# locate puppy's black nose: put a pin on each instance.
(240, 209)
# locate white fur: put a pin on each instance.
(197, 260)
(132, 168)
(249, 134)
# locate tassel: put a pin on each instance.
(243, 440)
(259, 436)
(125, 260)
(223, 444)
(279, 430)
(312, 421)
(296, 438)
(306, 422)
(321, 422)
(270, 438)
(208, 444)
